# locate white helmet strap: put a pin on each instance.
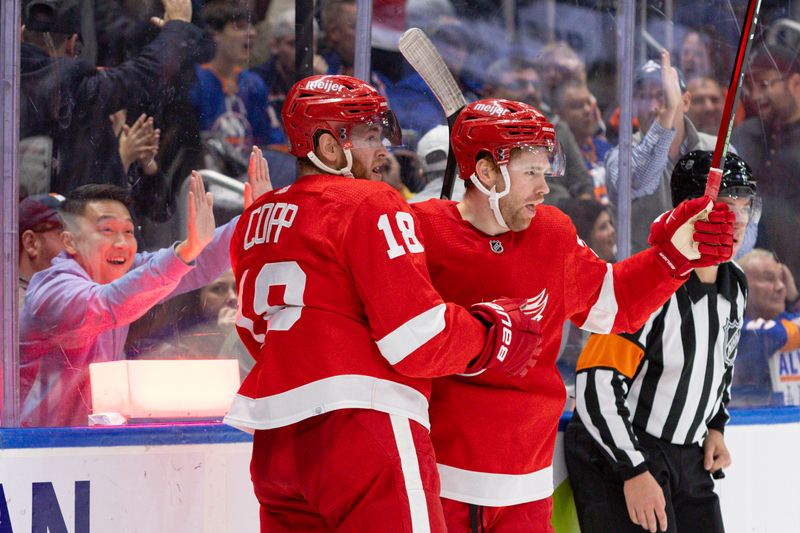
(325, 168)
(493, 195)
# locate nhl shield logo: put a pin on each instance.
(496, 246)
(732, 329)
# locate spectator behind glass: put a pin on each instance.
(660, 101)
(278, 72)
(416, 108)
(138, 143)
(516, 78)
(432, 150)
(230, 102)
(138, 147)
(770, 142)
(705, 111)
(40, 230)
(204, 326)
(768, 364)
(403, 171)
(338, 18)
(124, 29)
(78, 311)
(694, 58)
(557, 62)
(595, 226)
(453, 40)
(577, 106)
(65, 102)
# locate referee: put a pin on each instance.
(651, 406)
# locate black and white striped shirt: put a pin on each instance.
(671, 379)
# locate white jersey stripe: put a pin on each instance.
(636, 387)
(604, 311)
(635, 390)
(580, 407)
(608, 408)
(418, 505)
(673, 356)
(620, 431)
(325, 395)
(724, 307)
(495, 490)
(697, 375)
(404, 340)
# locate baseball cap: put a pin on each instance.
(39, 213)
(776, 57)
(651, 70)
(433, 147)
(55, 16)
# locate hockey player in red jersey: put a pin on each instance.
(494, 435)
(336, 306)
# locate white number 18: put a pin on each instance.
(405, 223)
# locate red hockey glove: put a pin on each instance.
(697, 233)
(514, 340)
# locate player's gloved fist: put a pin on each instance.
(697, 233)
(514, 340)
(714, 236)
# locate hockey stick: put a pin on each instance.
(732, 100)
(304, 39)
(420, 52)
(728, 114)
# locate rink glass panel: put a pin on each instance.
(547, 42)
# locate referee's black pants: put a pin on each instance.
(692, 505)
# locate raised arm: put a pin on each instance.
(634, 288)
(143, 75)
(650, 157)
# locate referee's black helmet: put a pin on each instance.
(691, 173)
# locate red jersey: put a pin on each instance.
(337, 307)
(517, 418)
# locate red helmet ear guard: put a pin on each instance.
(497, 126)
(334, 104)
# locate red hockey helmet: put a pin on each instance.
(334, 104)
(497, 126)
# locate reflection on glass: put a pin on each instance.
(152, 103)
(201, 325)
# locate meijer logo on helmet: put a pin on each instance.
(492, 109)
(325, 85)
